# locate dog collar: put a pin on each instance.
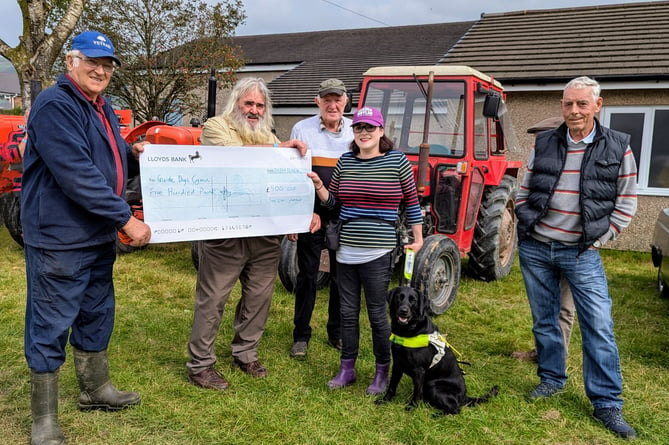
(419, 341)
(422, 341)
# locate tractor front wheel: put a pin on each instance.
(437, 272)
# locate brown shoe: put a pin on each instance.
(209, 379)
(528, 356)
(254, 369)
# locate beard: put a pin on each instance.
(258, 134)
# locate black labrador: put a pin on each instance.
(419, 351)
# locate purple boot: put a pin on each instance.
(346, 374)
(380, 381)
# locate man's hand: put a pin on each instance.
(315, 223)
(137, 148)
(313, 227)
(137, 231)
(294, 143)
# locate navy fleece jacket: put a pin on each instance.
(69, 177)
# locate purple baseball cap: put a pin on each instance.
(94, 44)
(368, 115)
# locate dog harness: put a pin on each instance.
(423, 341)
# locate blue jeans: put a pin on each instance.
(541, 265)
(374, 278)
(70, 294)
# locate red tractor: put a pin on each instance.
(451, 122)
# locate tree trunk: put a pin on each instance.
(34, 56)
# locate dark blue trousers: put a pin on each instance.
(70, 294)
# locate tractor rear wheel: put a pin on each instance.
(11, 208)
(288, 268)
(437, 272)
(495, 240)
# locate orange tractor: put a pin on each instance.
(12, 131)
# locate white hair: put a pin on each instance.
(585, 82)
(261, 133)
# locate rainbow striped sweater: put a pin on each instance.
(373, 188)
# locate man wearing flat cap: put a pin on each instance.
(75, 171)
(328, 135)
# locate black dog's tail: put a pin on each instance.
(471, 401)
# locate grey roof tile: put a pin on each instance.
(611, 41)
(345, 54)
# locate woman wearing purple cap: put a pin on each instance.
(369, 183)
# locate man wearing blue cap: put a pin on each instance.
(75, 170)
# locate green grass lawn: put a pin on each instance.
(155, 295)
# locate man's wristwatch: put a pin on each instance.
(597, 244)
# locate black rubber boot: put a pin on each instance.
(97, 391)
(44, 406)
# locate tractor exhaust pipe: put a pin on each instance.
(211, 95)
(424, 148)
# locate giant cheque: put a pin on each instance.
(197, 192)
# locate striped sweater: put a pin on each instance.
(325, 147)
(373, 188)
(563, 221)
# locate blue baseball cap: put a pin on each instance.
(94, 44)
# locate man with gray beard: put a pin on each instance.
(246, 120)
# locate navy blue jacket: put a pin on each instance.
(69, 178)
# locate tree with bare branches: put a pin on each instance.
(38, 49)
(167, 48)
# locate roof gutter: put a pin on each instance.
(607, 82)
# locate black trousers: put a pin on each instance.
(309, 247)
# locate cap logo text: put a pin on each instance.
(365, 112)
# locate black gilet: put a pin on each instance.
(598, 183)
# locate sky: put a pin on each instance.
(288, 16)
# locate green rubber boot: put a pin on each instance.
(97, 391)
(44, 407)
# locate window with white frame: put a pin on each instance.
(649, 128)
